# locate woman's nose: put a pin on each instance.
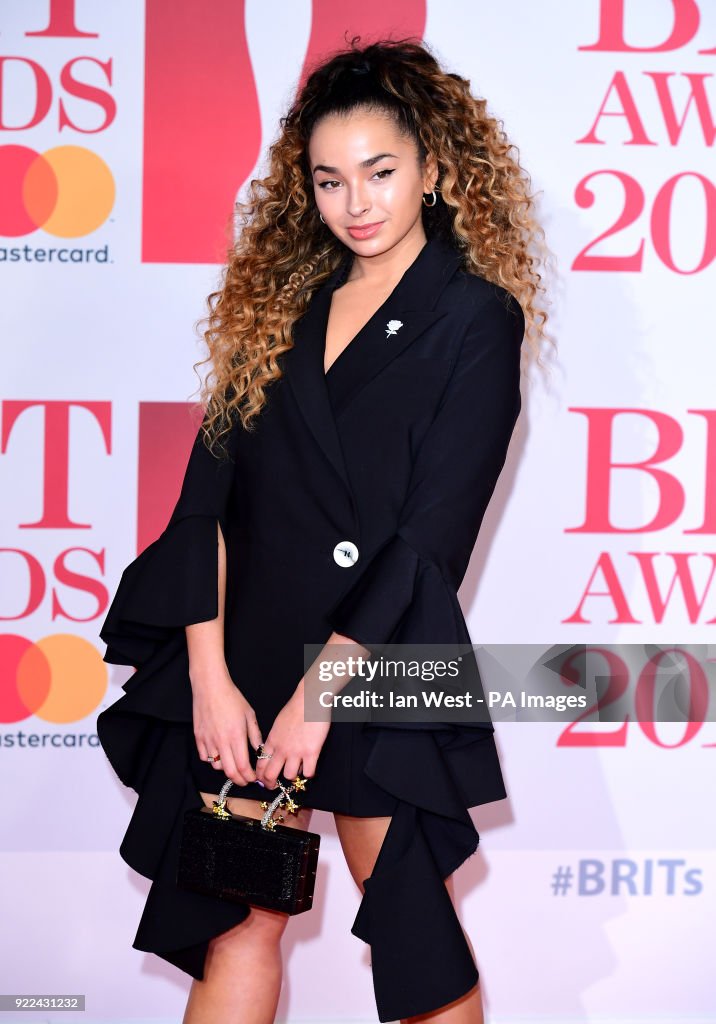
(357, 202)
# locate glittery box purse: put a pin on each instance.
(249, 860)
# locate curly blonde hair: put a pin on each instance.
(283, 251)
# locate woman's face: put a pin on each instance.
(366, 175)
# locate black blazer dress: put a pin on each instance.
(354, 506)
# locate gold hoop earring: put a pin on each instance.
(435, 198)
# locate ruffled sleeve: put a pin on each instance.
(174, 581)
(453, 479)
(147, 733)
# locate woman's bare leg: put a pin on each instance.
(243, 970)
(361, 840)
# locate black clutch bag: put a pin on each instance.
(249, 860)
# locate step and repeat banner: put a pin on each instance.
(127, 131)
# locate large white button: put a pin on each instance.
(345, 553)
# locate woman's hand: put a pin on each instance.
(292, 741)
(224, 722)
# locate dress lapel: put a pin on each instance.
(411, 304)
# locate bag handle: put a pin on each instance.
(267, 821)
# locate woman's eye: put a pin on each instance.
(325, 184)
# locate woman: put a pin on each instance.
(365, 382)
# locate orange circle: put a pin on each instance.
(86, 191)
(79, 678)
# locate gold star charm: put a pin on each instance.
(264, 805)
(299, 783)
(291, 805)
(271, 824)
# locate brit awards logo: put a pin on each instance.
(56, 103)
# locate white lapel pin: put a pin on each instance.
(392, 327)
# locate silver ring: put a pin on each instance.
(216, 757)
(260, 754)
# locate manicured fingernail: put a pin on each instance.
(260, 783)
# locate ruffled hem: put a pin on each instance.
(406, 914)
(419, 954)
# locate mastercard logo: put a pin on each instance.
(60, 678)
(68, 191)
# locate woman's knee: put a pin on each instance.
(262, 929)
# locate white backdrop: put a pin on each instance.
(612, 105)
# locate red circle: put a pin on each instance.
(29, 190)
(25, 678)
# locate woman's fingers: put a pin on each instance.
(227, 762)
(272, 767)
(240, 757)
(292, 767)
(253, 731)
(205, 749)
(233, 750)
(307, 767)
(229, 767)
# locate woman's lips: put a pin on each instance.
(366, 231)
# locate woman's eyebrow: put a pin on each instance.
(364, 163)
